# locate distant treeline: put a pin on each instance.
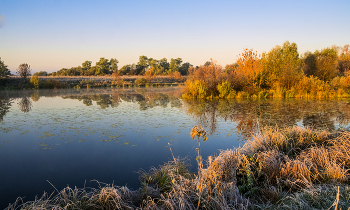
(279, 73)
(106, 67)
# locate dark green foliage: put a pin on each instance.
(107, 67)
(40, 73)
(4, 71)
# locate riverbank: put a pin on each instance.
(291, 168)
(55, 82)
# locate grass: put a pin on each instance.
(290, 168)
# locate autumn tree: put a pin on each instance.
(309, 63)
(231, 67)
(24, 70)
(281, 66)
(326, 64)
(344, 59)
(208, 76)
(249, 68)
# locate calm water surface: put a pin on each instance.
(71, 137)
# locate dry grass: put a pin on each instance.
(291, 168)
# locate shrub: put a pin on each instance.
(208, 75)
(226, 90)
(34, 80)
(51, 84)
(149, 76)
(177, 75)
(141, 81)
(195, 89)
(40, 73)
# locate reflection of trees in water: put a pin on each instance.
(5, 104)
(206, 113)
(144, 98)
(35, 96)
(315, 119)
(252, 116)
(103, 100)
(25, 104)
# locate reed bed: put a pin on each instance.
(290, 168)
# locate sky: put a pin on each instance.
(54, 34)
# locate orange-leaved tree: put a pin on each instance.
(249, 69)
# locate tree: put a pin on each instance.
(184, 68)
(4, 71)
(93, 71)
(125, 70)
(231, 67)
(40, 73)
(24, 70)
(163, 66)
(142, 65)
(114, 65)
(103, 66)
(326, 64)
(208, 63)
(249, 68)
(153, 67)
(86, 65)
(282, 66)
(344, 60)
(174, 65)
(309, 64)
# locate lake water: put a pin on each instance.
(71, 137)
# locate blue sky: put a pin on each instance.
(54, 34)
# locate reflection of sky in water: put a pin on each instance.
(67, 142)
(63, 140)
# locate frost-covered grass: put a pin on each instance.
(291, 168)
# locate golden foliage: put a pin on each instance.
(149, 75)
(177, 75)
(198, 131)
(249, 68)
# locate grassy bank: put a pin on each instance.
(291, 168)
(56, 82)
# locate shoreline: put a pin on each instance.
(59, 82)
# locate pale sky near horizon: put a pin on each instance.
(54, 34)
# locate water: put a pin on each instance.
(71, 137)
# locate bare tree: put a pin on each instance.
(24, 70)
